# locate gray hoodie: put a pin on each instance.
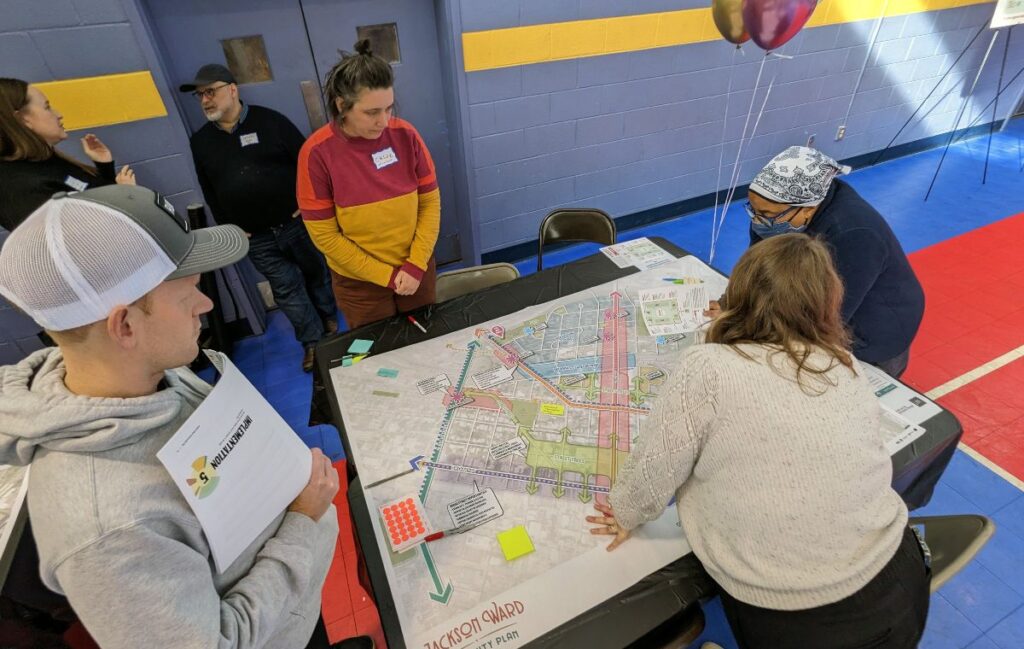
(118, 539)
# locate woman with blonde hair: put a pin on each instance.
(769, 439)
(31, 168)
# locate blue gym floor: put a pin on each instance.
(983, 606)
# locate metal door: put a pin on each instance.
(301, 40)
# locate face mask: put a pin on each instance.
(765, 231)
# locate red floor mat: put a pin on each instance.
(974, 288)
(348, 609)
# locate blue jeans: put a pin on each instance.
(298, 277)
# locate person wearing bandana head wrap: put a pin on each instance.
(883, 302)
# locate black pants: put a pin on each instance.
(889, 612)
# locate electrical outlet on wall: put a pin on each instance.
(841, 133)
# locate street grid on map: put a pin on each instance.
(542, 406)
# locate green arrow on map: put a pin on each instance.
(531, 486)
(584, 495)
(442, 593)
(559, 490)
(428, 475)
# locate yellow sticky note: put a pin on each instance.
(359, 358)
(552, 408)
(515, 542)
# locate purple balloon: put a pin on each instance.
(772, 23)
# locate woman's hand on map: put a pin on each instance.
(608, 525)
(714, 310)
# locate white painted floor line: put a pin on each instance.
(970, 377)
(975, 374)
(992, 466)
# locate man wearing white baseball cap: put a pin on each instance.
(111, 273)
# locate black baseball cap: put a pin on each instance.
(209, 73)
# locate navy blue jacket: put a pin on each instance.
(884, 302)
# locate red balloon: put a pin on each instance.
(772, 23)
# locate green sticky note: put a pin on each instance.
(387, 373)
(360, 346)
(345, 362)
(515, 542)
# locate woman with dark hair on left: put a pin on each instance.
(31, 168)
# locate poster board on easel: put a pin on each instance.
(1008, 13)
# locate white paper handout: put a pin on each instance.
(642, 253)
(911, 405)
(674, 309)
(237, 463)
(897, 431)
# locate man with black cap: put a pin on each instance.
(246, 158)
(111, 274)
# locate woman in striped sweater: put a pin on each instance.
(369, 196)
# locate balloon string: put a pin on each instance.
(736, 172)
(735, 167)
(721, 151)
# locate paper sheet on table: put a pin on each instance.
(642, 253)
(897, 431)
(237, 463)
(675, 309)
(911, 405)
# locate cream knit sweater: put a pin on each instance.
(784, 496)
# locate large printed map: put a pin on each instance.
(542, 408)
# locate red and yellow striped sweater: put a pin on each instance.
(371, 206)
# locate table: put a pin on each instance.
(916, 467)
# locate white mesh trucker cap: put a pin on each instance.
(82, 254)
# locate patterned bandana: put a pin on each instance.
(798, 176)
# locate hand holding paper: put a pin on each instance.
(238, 465)
(318, 494)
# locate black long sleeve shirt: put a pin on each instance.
(25, 185)
(248, 175)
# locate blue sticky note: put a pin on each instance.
(660, 340)
(360, 346)
(387, 373)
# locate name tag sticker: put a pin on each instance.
(76, 184)
(384, 158)
(250, 138)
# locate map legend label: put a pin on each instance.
(514, 445)
(475, 509)
(433, 384)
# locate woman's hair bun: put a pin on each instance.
(363, 47)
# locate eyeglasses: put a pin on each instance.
(768, 219)
(208, 93)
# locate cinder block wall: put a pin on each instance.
(52, 40)
(636, 130)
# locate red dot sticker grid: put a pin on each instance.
(405, 523)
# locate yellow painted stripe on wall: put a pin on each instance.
(502, 48)
(88, 102)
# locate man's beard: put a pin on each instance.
(214, 116)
